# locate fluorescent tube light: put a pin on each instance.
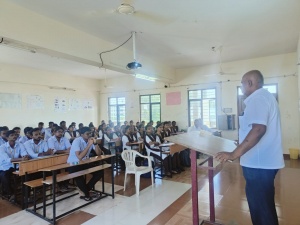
(145, 77)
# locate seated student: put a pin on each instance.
(101, 130)
(174, 128)
(18, 131)
(37, 146)
(117, 131)
(27, 136)
(3, 131)
(71, 134)
(80, 150)
(41, 127)
(48, 133)
(140, 134)
(159, 137)
(58, 143)
(11, 151)
(80, 126)
(154, 151)
(109, 136)
(166, 130)
(128, 139)
(63, 125)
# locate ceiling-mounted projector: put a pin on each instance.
(133, 65)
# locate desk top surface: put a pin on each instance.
(41, 157)
(203, 142)
(81, 162)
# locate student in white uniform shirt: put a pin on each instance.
(37, 147)
(71, 134)
(3, 131)
(18, 131)
(80, 150)
(48, 131)
(58, 143)
(109, 136)
(128, 140)
(11, 151)
(27, 135)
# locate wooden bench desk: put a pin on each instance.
(52, 180)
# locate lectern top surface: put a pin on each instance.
(203, 142)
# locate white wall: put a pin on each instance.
(276, 69)
(26, 81)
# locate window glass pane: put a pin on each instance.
(271, 88)
(121, 101)
(209, 113)
(112, 101)
(240, 91)
(155, 114)
(195, 94)
(113, 113)
(145, 112)
(195, 111)
(155, 98)
(209, 93)
(121, 113)
(145, 99)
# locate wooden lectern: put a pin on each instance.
(204, 142)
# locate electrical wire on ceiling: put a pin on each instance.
(100, 54)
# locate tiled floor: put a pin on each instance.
(169, 201)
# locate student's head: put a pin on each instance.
(252, 81)
(131, 122)
(141, 129)
(149, 129)
(166, 125)
(197, 123)
(80, 126)
(50, 124)
(127, 130)
(71, 128)
(108, 130)
(143, 123)
(58, 132)
(62, 123)
(40, 125)
(125, 123)
(27, 132)
(36, 134)
(91, 124)
(173, 123)
(159, 128)
(3, 131)
(137, 124)
(11, 136)
(117, 129)
(102, 121)
(151, 122)
(85, 133)
(73, 124)
(17, 130)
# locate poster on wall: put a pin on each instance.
(10, 101)
(173, 98)
(60, 104)
(35, 102)
(87, 104)
(74, 104)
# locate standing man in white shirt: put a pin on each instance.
(259, 149)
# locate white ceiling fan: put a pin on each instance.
(221, 72)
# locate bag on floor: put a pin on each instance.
(185, 158)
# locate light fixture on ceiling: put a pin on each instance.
(145, 77)
(125, 9)
(18, 46)
(61, 88)
(133, 65)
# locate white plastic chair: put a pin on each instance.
(129, 157)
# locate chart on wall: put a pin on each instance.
(35, 102)
(10, 101)
(87, 104)
(60, 104)
(74, 104)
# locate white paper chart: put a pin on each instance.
(74, 104)
(10, 101)
(60, 104)
(35, 102)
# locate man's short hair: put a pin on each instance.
(27, 129)
(34, 130)
(4, 129)
(84, 129)
(16, 128)
(41, 123)
(58, 128)
(10, 132)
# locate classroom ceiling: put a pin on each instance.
(180, 33)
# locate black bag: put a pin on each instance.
(148, 175)
(185, 158)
